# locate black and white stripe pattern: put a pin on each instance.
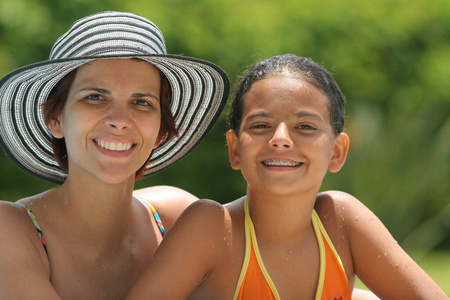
(199, 90)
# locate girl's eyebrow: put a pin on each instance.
(258, 114)
(107, 92)
(301, 114)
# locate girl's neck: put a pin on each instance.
(281, 217)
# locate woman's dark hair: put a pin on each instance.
(54, 106)
(306, 69)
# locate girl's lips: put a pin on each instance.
(280, 163)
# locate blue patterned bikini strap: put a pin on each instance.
(155, 215)
(36, 224)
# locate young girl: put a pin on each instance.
(284, 239)
(111, 97)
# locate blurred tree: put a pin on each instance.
(390, 57)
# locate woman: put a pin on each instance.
(89, 118)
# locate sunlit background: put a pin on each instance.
(390, 57)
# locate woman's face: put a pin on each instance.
(111, 118)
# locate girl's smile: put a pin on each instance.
(285, 140)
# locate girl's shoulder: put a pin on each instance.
(339, 212)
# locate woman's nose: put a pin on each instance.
(281, 138)
(118, 117)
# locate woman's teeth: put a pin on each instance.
(113, 146)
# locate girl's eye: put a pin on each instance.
(259, 126)
(307, 127)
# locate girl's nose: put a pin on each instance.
(281, 138)
(118, 117)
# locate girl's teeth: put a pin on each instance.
(281, 162)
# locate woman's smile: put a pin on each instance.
(112, 118)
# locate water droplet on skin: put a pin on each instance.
(396, 265)
(356, 218)
(379, 256)
(287, 258)
(385, 254)
(303, 251)
(289, 252)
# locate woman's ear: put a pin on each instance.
(56, 128)
(233, 149)
(340, 150)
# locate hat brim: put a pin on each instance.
(199, 94)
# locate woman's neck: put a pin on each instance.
(105, 211)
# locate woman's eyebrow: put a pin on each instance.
(105, 91)
(98, 90)
(143, 95)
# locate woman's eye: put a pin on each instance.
(142, 102)
(94, 97)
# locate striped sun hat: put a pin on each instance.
(199, 90)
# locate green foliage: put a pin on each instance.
(390, 57)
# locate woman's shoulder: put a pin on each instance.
(14, 217)
(164, 193)
(168, 201)
(21, 251)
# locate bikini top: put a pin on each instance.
(144, 201)
(255, 282)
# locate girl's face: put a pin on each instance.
(111, 118)
(286, 143)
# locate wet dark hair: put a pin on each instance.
(306, 69)
(54, 106)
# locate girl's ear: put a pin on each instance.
(56, 128)
(233, 149)
(340, 150)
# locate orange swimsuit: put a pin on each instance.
(255, 283)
